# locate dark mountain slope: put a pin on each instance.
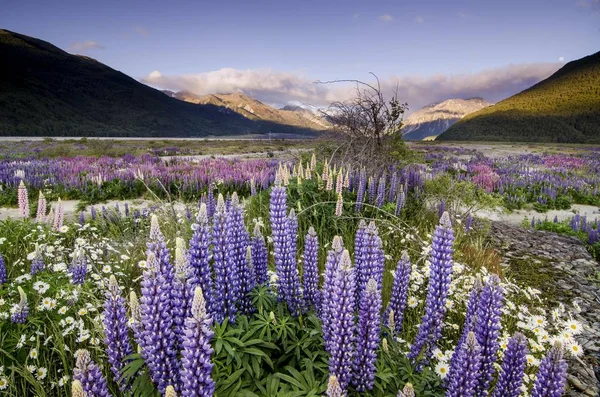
(47, 91)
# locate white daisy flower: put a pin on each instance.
(41, 373)
(442, 369)
(573, 326)
(413, 302)
(575, 349)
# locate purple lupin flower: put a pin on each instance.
(341, 322)
(368, 337)
(441, 208)
(393, 187)
(78, 269)
(182, 289)
(277, 213)
(462, 378)
(210, 201)
(158, 342)
(93, 213)
(158, 245)
(295, 302)
(237, 241)
(380, 192)
(223, 294)
(312, 297)
(116, 339)
(259, 256)
(470, 316)
(20, 311)
(400, 199)
(399, 293)
(3, 275)
(89, 375)
(81, 218)
(552, 375)
(360, 191)
(37, 263)
(23, 200)
(513, 368)
(487, 331)
(469, 223)
(331, 267)
(333, 387)
(199, 255)
(372, 190)
(430, 329)
(369, 257)
(196, 366)
(361, 253)
(284, 231)
(40, 215)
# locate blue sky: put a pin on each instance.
(276, 49)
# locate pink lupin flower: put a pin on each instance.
(23, 199)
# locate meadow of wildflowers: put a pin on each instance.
(311, 279)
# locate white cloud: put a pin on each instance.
(386, 18)
(84, 46)
(280, 88)
(419, 19)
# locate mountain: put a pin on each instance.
(563, 108)
(45, 91)
(255, 110)
(432, 120)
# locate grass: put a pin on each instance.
(50, 148)
(537, 273)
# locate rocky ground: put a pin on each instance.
(564, 269)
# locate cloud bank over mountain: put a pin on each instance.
(280, 88)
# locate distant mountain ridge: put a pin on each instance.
(432, 120)
(45, 91)
(254, 109)
(565, 107)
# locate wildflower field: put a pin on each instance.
(277, 278)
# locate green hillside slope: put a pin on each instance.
(563, 108)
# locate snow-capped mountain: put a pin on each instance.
(432, 120)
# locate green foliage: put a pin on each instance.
(399, 151)
(459, 196)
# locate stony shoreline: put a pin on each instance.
(573, 268)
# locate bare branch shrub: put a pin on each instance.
(367, 127)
